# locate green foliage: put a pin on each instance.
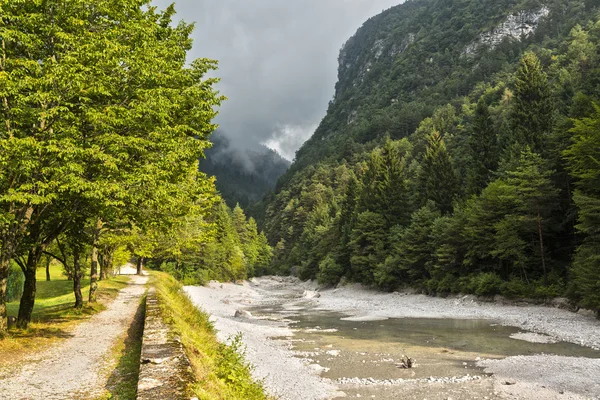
(584, 163)
(15, 283)
(532, 112)
(330, 272)
(446, 164)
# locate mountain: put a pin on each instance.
(447, 159)
(243, 175)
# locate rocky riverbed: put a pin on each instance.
(355, 353)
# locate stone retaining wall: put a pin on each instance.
(165, 370)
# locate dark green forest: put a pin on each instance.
(243, 176)
(454, 158)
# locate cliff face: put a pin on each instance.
(516, 27)
(413, 58)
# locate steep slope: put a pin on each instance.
(244, 175)
(404, 63)
(445, 160)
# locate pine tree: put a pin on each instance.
(532, 113)
(438, 180)
(583, 159)
(484, 150)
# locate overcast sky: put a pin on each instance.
(277, 61)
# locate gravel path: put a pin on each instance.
(72, 369)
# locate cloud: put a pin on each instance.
(277, 61)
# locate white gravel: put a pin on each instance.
(284, 375)
(73, 368)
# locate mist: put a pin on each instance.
(277, 61)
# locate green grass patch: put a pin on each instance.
(221, 370)
(123, 381)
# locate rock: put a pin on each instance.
(311, 294)
(242, 314)
(508, 383)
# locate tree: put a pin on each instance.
(88, 128)
(483, 144)
(536, 198)
(437, 179)
(367, 243)
(412, 251)
(583, 158)
(532, 113)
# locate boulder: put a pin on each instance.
(311, 294)
(242, 314)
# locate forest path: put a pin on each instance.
(76, 368)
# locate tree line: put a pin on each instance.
(495, 193)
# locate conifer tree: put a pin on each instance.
(532, 113)
(438, 179)
(484, 149)
(584, 163)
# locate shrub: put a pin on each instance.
(487, 284)
(330, 272)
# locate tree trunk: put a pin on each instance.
(539, 223)
(77, 275)
(4, 263)
(103, 266)
(48, 262)
(29, 288)
(109, 263)
(94, 272)
(140, 265)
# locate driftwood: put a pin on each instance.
(406, 362)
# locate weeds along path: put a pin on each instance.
(74, 368)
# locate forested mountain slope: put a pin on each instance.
(245, 175)
(459, 154)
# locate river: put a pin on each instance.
(353, 343)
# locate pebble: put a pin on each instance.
(394, 382)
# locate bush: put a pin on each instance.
(515, 287)
(448, 284)
(16, 280)
(330, 272)
(487, 284)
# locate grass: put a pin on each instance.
(221, 371)
(53, 314)
(122, 383)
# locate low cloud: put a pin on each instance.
(277, 61)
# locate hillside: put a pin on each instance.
(244, 175)
(446, 160)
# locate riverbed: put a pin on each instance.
(355, 342)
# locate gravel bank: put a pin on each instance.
(288, 377)
(364, 304)
(284, 374)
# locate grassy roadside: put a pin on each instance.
(221, 371)
(53, 315)
(123, 380)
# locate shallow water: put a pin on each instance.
(441, 348)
